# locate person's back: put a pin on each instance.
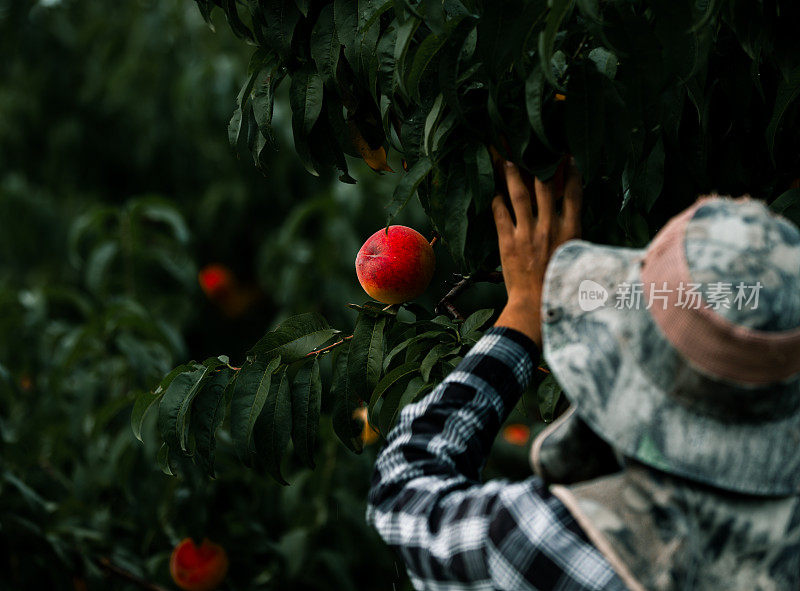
(665, 532)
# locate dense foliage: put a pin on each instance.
(658, 101)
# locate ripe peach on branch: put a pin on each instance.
(395, 265)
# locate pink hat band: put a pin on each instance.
(707, 340)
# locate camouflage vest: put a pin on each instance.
(666, 533)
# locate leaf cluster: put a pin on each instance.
(658, 101)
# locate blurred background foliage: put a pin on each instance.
(117, 184)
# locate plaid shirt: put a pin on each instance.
(453, 532)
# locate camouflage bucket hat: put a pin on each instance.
(686, 355)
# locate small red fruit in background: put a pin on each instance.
(198, 568)
(222, 288)
(397, 266)
(215, 280)
(517, 434)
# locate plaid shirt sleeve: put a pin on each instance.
(453, 532)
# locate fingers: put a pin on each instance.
(573, 196)
(520, 196)
(502, 217)
(545, 203)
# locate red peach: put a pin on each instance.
(198, 568)
(215, 280)
(395, 266)
(517, 434)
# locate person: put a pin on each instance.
(677, 465)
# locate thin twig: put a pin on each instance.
(329, 347)
(117, 570)
(434, 239)
(451, 309)
(446, 303)
(580, 46)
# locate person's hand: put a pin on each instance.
(526, 247)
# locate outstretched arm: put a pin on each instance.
(426, 498)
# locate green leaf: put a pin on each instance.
(345, 14)
(534, 87)
(788, 205)
(434, 355)
(262, 97)
(437, 142)
(163, 460)
(234, 21)
(207, 414)
(206, 6)
(365, 355)
(176, 402)
(558, 12)
(274, 426)
(391, 378)
(605, 61)
(590, 9)
(364, 53)
(431, 121)
(460, 42)
(157, 209)
(145, 401)
(302, 6)
(450, 202)
(345, 401)
(295, 337)
(394, 404)
(480, 176)
(548, 395)
(426, 51)
(442, 320)
(405, 33)
(249, 396)
(399, 348)
(407, 187)
(182, 419)
(98, 265)
(240, 118)
(305, 98)
(325, 44)
(788, 91)
(712, 7)
(475, 321)
(645, 182)
(306, 393)
(278, 19)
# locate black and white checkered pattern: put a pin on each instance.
(453, 532)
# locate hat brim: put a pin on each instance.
(637, 392)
